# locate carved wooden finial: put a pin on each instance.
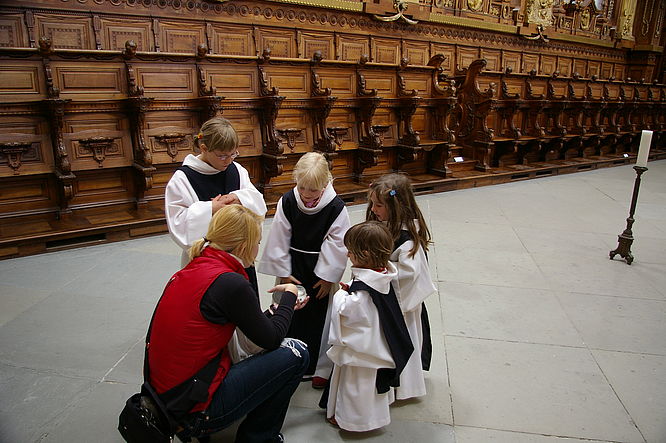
(364, 59)
(45, 46)
(202, 50)
(404, 62)
(130, 49)
(265, 55)
(533, 72)
(576, 75)
(317, 57)
(594, 77)
(508, 70)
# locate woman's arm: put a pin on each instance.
(231, 299)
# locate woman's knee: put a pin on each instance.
(299, 351)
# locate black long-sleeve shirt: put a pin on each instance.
(231, 299)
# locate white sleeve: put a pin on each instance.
(276, 259)
(414, 281)
(356, 336)
(332, 259)
(248, 194)
(187, 217)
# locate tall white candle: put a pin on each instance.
(644, 149)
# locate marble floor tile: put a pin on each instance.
(15, 300)
(539, 389)
(466, 434)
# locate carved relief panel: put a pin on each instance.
(580, 66)
(282, 43)
(180, 37)
(11, 32)
(310, 42)
(511, 60)
(385, 50)
(169, 135)
(96, 141)
(351, 48)
(416, 52)
(593, 68)
(341, 81)
(465, 56)
(247, 126)
(530, 62)
(548, 64)
(115, 32)
(493, 57)
(448, 51)
(564, 65)
(606, 70)
(297, 119)
(167, 81)
(232, 40)
(292, 81)
(232, 80)
(66, 32)
(25, 146)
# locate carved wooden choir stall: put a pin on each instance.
(100, 99)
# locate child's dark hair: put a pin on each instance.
(371, 243)
(396, 193)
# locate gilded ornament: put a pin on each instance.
(585, 19)
(475, 5)
(540, 12)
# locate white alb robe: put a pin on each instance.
(187, 217)
(358, 349)
(413, 285)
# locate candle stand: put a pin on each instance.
(626, 238)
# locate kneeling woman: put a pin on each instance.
(201, 307)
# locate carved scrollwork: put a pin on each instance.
(98, 147)
(362, 91)
(13, 152)
(290, 135)
(400, 6)
(172, 140)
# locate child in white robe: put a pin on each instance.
(305, 246)
(391, 200)
(370, 344)
(207, 182)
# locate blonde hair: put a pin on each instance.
(371, 244)
(312, 171)
(396, 193)
(218, 135)
(234, 229)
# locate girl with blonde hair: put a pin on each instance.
(305, 246)
(203, 304)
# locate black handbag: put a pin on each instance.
(141, 421)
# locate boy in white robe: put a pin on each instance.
(370, 344)
(206, 183)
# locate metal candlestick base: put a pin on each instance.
(626, 238)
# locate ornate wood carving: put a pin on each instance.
(13, 152)
(370, 135)
(269, 106)
(171, 140)
(98, 147)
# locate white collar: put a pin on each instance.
(379, 281)
(326, 197)
(195, 162)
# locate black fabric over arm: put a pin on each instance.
(231, 299)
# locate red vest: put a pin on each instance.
(182, 341)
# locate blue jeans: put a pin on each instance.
(259, 388)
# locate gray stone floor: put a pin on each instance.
(538, 336)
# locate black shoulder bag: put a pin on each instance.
(152, 417)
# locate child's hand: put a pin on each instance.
(230, 199)
(301, 304)
(324, 288)
(290, 279)
(344, 286)
(218, 203)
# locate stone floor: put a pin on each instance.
(538, 336)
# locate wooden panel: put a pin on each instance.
(115, 32)
(606, 70)
(310, 42)
(39, 156)
(21, 80)
(385, 116)
(385, 50)
(233, 80)
(247, 126)
(351, 48)
(342, 82)
(593, 68)
(422, 82)
(511, 60)
(530, 61)
(493, 57)
(418, 53)
(301, 119)
(580, 66)
(232, 40)
(163, 123)
(548, 64)
(85, 126)
(292, 80)
(282, 43)
(384, 82)
(618, 71)
(564, 65)
(466, 56)
(515, 85)
(449, 52)
(11, 32)
(181, 37)
(102, 185)
(66, 32)
(345, 118)
(597, 90)
(166, 80)
(21, 194)
(95, 80)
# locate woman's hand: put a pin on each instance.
(288, 287)
(290, 279)
(324, 288)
